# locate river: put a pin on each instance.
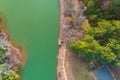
(34, 23)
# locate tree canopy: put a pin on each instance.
(101, 42)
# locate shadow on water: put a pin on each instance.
(103, 74)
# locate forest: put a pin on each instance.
(101, 40)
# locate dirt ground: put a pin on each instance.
(77, 68)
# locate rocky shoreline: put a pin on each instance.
(10, 58)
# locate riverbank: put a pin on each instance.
(70, 30)
(12, 57)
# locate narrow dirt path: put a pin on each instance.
(61, 71)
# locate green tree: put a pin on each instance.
(114, 9)
(100, 42)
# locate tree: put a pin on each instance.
(12, 76)
(114, 45)
(100, 42)
(96, 13)
(114, 9)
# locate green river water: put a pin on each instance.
(34, 23)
